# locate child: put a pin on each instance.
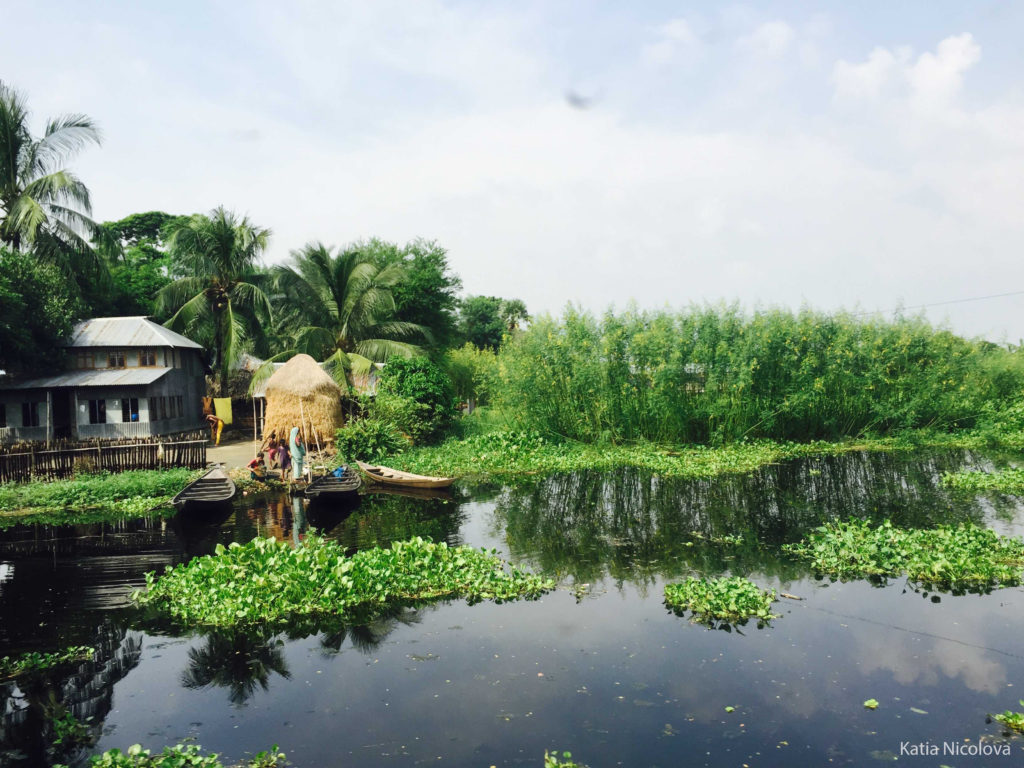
(284, 459)
(257, 470)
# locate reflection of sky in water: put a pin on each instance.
(610, 674)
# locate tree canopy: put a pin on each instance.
(484, 320)
(36, 312)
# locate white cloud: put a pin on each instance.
(675, 38)
(770, 40)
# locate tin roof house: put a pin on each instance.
(128, 377)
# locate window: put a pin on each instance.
(84, 359)
(115, 358)
(179, 404)
(97, 411)
(129, 409)
(3, 414)
(30, 414)
(147, 357)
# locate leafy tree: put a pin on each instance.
(480, 321)
(36, 312)
(417, 396)
(221, 301)
(426, 296)
(513, 314)
(143, 267)
(344, 309)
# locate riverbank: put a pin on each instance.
(507, 455)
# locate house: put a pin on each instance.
(127, 377)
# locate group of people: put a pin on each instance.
(276, 454)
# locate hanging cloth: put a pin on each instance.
(222, 406)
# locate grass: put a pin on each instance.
(267, 582)
(964, 557)
(90, 497)
(730, 599)
(39, 662)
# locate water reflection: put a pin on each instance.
(630, 525)
(30, 704)
(241, 661)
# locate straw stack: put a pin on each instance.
(300, 388)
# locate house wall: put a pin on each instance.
(186, 380)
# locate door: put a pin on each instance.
(61, 414)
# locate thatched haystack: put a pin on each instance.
(302, 380)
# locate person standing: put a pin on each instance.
(298, 450)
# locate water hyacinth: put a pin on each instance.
(37, 662)
(1009, 481)
(728, 599)
(951, 557)
(270, 582)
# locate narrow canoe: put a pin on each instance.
(398, 478)
(213, 488)
(331, 487)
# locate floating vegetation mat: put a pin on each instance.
(270, 582)
(732, 599)
(1009, 481)
(179, 756)
(37, 662)
(1012, 720)
(964, 557)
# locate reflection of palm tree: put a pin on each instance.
(368, 637)
(237, 661)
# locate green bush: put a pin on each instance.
(717, 374)
(417, 396)
(369, 440)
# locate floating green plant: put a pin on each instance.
(1012, 720)
(38, 662)
(1009, 481)
(952, 557)
(179, 756)
(729, 599)
(270, 582)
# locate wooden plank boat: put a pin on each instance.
(329, 487)
(212, 489)
(398, 478)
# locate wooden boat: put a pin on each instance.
(213, 489)
(400, 479)
(328, 487)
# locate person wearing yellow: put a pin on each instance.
(216, 427)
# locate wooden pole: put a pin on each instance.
(49, 425)
(255, 437)
(302, 418)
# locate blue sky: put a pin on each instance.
(859, 155)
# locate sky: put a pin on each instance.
(865, 156)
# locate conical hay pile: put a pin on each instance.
(302, 381)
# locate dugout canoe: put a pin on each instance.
(213, 489)
(329, 487)
(399, 479)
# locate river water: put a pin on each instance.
(598, 667)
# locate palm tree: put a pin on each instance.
(344, 309)
(42, 203)
(220, 302)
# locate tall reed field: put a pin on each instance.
(716, 374)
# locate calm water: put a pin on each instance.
(598, 667)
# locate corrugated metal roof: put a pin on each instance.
(120, 377)
(126, 332)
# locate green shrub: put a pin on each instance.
(369, 440)
(426, 405)
(717, 374)
(38, 662)
(725, 599)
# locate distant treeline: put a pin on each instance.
(717, 374)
